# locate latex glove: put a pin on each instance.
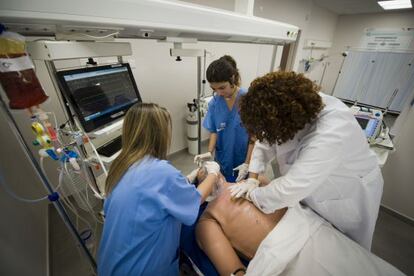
(200, 158)
(243, 171)
(243, 189)
(193, 175)
(212, 167)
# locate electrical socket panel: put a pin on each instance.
(25, 28)
(311, 43)
(89, 30)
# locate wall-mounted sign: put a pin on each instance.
(400, 39)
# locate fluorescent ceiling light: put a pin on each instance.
(395, 4)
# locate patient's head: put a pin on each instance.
(218, 186)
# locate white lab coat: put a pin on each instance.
(302, 243)
(329, 167)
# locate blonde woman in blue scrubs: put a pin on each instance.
(147, 199)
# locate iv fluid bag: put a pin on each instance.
(17, 76)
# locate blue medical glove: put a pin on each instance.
(244, 188)
(243, 171)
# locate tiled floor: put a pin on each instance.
(393, 238)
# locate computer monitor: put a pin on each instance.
(99, 95)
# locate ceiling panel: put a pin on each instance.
(350, 6)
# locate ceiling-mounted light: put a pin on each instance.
(395, 4)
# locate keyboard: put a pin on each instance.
(111, 147)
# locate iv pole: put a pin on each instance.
(53, 196)
(344, 54)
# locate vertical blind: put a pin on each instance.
(372, 78)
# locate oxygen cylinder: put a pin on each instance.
(192, 132)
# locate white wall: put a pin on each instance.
(173, 84)
(316, 23)
(322, 27)
(398, 172)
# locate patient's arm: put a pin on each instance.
(228, 224)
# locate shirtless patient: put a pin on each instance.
(230, 227)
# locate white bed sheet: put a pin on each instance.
(305, 244)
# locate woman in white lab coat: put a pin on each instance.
(323, 156)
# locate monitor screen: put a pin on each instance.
(99, 95)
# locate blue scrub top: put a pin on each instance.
(232, 138)
(143, 217)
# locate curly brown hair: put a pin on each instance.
(278, 105)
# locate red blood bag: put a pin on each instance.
(17, 76)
